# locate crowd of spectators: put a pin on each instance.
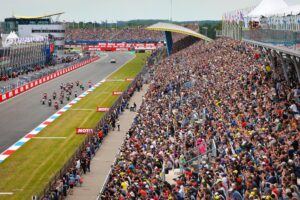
(73, 176)
(89, 34)
(226, 92)
(137, 34)
(121, 34)
(112, 34)
(178, 36)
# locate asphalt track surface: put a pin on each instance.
(20, 115)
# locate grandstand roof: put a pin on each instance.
(177, 29)
(37, 17)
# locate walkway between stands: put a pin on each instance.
(104, 158)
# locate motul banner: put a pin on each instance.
(117, 93)
(84, 131)
(102, 109)
(129, 79)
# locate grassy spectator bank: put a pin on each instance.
(29, 170)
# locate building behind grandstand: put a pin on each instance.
(36, 26)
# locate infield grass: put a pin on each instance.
(29, 169)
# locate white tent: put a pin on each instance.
(291, 10)
(11, 39)
(267, 7)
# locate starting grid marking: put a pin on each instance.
(6, 193)
(33, 134)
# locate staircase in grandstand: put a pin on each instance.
(194, 159)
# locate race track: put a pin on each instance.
(20, 115)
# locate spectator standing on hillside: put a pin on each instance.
(118, 125)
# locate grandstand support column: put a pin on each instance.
(168, 36)
(271, 58)
(296, 62)
(284, 65)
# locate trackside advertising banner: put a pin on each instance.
(102, 109)
(84, 131)
(129, 79)
(117, 93)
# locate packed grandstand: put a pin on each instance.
(222, 92)
(112, 34)
(121, 34)
(220, 119)
(219, 97)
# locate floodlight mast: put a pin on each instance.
(171, 10)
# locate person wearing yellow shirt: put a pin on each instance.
(124, 185)
(268, 68)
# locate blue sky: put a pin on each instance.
(112, 10)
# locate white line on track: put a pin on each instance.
(50, 138)
(115, 80)
(6, 193)
(82, 109)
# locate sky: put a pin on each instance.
(113, 10)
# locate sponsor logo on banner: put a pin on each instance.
(102, 109)
(117, 93)
(128, 79)
(84, 131)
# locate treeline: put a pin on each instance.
(209, 28)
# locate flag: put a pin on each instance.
(241, 16)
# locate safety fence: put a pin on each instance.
(40, 80)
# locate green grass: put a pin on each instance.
(29, 170)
